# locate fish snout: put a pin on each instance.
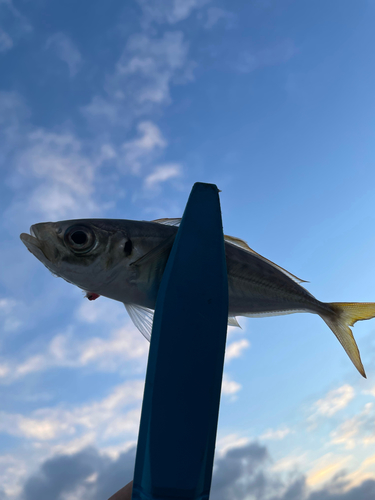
(43, 239)
(44, 231)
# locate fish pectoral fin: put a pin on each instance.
(345, 315)
(142, 317)
(168, 222)
(162, 248)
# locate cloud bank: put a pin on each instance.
(242, 473)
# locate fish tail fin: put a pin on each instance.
(345, 314)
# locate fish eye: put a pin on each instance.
(79, 238)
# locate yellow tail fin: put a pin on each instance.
(345, 315)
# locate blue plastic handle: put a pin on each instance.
(180, 409)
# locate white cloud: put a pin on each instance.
(346, 433)
(33, 428)
(140, 151)
(370, 391)
(13, 470)
(6, 43)
(4, 370)
(120, 349)
(228, 442)
(142, 79)
(111, 354)
(8, 316)
(13, 115)
(152, 63)
(17, 25)
(235, 349)
(291, 462)
(216, 14)
(356, 429)
(105, 418)
(326, 467)
(365, 472)
(163, 173)
(64, 176)
(169, 11)
(102, 108)
(66, 50)
(30, 365)
(71, 446)
(230, 387)
(54, 175)
(276, 434)
(334, 401)
(114, 451)
(250, 60)
(124, 424)
(103, 311)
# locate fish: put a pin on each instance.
(124, 260)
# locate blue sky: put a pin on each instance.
(114, 109)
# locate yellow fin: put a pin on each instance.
(346, 314)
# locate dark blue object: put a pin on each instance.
(177, 434)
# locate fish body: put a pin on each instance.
(124, 260)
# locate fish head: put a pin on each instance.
(84, 252)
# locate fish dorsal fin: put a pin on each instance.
(142, 317)
(168, 222)
(239, 243)
(242, 244)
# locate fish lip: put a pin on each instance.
(35, 245)
(30, 240)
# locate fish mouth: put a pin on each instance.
(38, 246)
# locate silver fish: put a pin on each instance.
(125, 260)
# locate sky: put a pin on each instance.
(114, 109)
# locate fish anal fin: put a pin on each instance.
(232, 321)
